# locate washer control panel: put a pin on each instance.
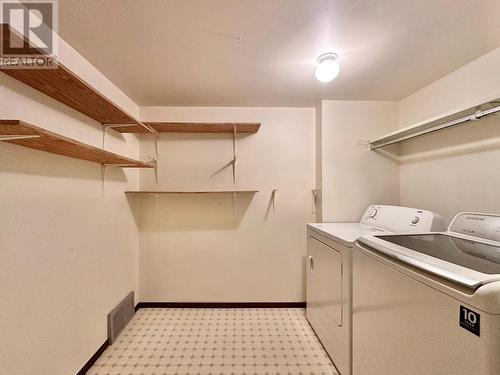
(475, 224)
(402, 219)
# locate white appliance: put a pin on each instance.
(329, 271)
(429, 304)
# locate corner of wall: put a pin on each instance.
(318, 162)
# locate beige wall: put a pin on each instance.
(194, 249)
(67, 255)
(352, 176)
(455, 170)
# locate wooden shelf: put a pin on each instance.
(156, 194)
(191, 192)
(67, 88)
(198, 127)
(58, 144)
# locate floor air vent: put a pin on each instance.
(119, 317)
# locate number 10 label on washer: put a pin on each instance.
(470, 320)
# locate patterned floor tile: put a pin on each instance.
(216, 342)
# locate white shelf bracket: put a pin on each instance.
(103, 178)
(234, 204)
(15, 137)
(157, 144)
(273, 198)
(155, 162)
(234, 153)
(105, 127)
(314, 200)
(104, 167)
(156, 197)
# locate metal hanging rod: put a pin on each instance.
(392, 139)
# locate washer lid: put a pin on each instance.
(460, 259)
(345, 233)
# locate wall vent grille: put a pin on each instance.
(119, 317)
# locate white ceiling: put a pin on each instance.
(187, 52)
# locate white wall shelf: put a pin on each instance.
(438, 123)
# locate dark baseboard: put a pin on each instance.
(94, 358)
(219, 305)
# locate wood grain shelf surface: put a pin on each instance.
(67, 88)
(58, 144)
(203, 127)
(191, 191)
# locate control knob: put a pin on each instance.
(415, 220)
(372, 213)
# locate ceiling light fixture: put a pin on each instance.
(327, 67)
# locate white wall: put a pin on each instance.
(454, 170)
(352, 176)
(67, 255)
(194, 249)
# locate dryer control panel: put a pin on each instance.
(402, 219)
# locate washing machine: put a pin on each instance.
(329, 271)
(429, 304)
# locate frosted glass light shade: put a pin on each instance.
(327, 68)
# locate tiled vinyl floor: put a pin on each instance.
(216, 341)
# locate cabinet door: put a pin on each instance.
(324, 287)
